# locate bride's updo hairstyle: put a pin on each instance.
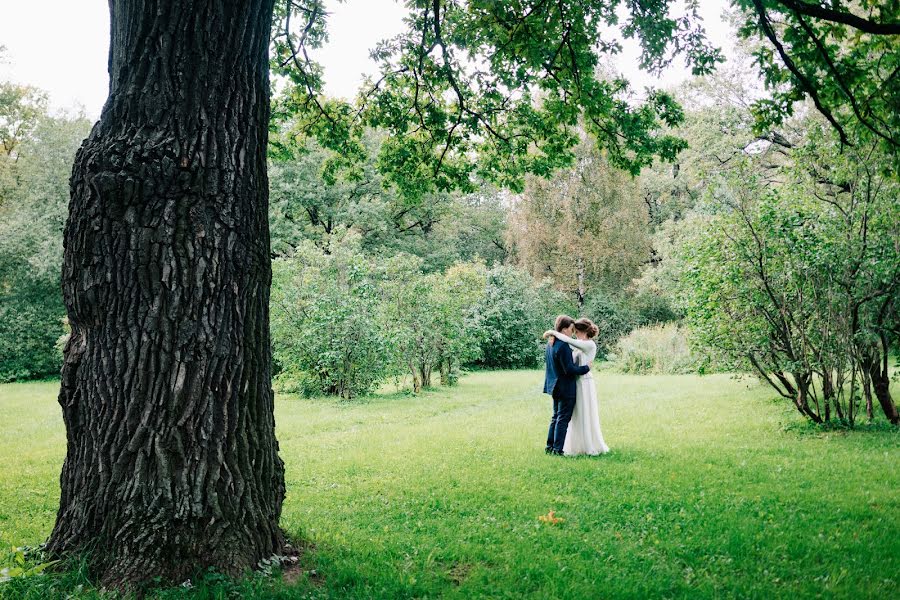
(587, 326)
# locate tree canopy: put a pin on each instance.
(844, 56)
(488, 90)
(495, 90)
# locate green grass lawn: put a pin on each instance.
(712, 490)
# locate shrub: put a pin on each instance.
(454, 298)
(514, 312)
(327, 334)
(655, 349)
(342, 322)
(29, 327)
(408, 312)
(433, 319)
(653, 308)
(615, 318)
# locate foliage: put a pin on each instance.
(842, 55)
(310, 200)
(618, 314)
(457, 329)
(514, 313)
(409, 310)
(22, 108)
(799, 281)
(738, 477)
(493, 90)
(23, 565)
(32, 214)
(29, 327)
(717, 127)
(653, 308)
(656, 290)
(614, 316)
(655, 349)
(434, 317)
(344, 322)
(327, 337)
(585, 228)
(472, 228)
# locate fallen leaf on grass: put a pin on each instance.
(550, 518)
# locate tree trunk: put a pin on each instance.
(416, 380)
(445, 371)
(802, 402)
(172, 463)
(581, 292)
(829, 395)
(870, 414)
(425, 373)
(881, 381)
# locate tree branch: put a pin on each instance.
(807, 85)
(846, 18)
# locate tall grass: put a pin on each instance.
(655, 349)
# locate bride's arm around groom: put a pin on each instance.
(587, 346)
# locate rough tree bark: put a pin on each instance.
(172, 463)
(879, 373)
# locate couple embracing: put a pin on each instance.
(575, 425)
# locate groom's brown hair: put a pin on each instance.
(563, 322)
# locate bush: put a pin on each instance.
(343, 322)
(30, 324)
(655, 349)
(514, 312)
(654, 308)
(433, 319)
(327, 334)
(408, 310)
(614, 318)
(454, 298)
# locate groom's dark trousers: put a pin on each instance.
(559, 422)
(559, 382)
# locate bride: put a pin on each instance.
(583, 435)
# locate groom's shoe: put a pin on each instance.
(555, 452)
(548, 450)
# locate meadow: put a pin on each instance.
(713, 489)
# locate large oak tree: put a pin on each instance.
(172, 463)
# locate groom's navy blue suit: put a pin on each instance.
(559, 381)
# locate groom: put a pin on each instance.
(559, 382)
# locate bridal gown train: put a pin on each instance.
(583, 435)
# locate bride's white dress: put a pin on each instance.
(583, 435)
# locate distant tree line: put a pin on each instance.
(36, 150)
